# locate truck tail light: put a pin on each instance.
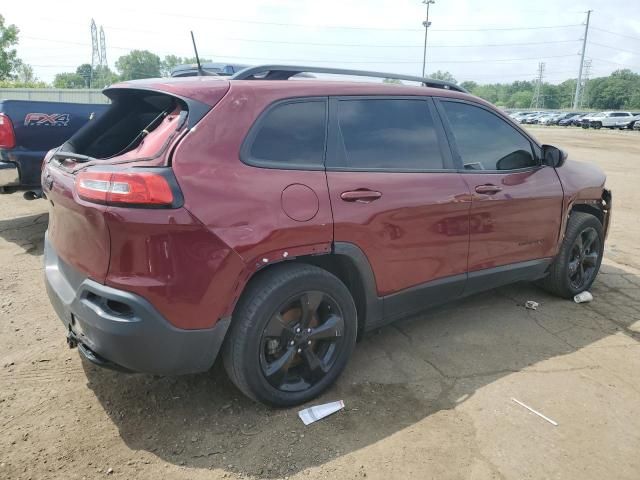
(151, 188)
(7, 135)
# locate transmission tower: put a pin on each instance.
(96, 59)
(103, 56)
(538, 98)
(584, 91)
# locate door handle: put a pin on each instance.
(361, 196)
(488, 189)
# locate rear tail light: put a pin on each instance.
(7, 135)
(146, 188)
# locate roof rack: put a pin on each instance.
(284, 72)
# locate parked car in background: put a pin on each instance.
(610, 120)
(28, 130)
(532, 118)
(274, 221)
(223, 69)
(569, 119)
(585, 122)
(629, 123)
(549, 119)
(577, 121)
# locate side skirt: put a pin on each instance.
(421, 297)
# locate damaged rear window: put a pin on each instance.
(138, 125)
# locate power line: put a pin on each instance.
(613, 48)
(615, 33)
(345, 27)
(318, 44)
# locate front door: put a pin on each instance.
(517, 202)
(395, 194)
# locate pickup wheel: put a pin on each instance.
(291, 335)
(578, 261)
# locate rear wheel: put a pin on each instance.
(578, 261)
(292, 334)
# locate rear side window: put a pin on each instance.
(290, 135)
(390, 134)
(485, 141)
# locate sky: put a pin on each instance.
(486, 41)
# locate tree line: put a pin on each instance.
(620, 90)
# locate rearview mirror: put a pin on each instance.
(553, 156)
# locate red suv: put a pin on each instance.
(275, 220)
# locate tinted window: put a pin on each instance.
(390, 134)
(485, 141)
(292, 134)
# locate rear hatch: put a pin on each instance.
(123, 159)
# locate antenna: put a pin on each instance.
(195, 49)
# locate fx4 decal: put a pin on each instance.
(47, 119)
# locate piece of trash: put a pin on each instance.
(583, 297)
(531, 305)
(313, 414)
(555, 424)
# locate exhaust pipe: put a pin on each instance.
(32, 195)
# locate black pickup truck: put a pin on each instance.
(28, 130)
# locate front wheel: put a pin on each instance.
(578, 261)
(597, 125)
(291, 336)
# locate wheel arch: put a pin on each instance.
(349, 263)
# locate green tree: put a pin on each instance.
(393, 81)
(469, 85)
(446, 76)
(69, 80)
(139, 64)
(521, 99)
(171, 61)
(9, 61)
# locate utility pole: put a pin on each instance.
(576, 99)
(426, 25)
(537, 96)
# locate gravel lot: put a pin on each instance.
(427, 398)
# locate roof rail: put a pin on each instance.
(284, 72)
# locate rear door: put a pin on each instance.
(395, 195)
(517, 202)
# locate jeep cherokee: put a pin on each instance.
(274, 221)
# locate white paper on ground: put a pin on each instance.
(313, 414)
(583, 297)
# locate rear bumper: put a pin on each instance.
(121, 330)
(9, 174)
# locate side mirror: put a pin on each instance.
(553, 156)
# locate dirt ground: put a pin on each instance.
(430, 397)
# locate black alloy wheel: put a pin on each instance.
(584, 258)
(301, 341)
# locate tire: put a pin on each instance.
(597, 125)
(275, 302)
(560, 281)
